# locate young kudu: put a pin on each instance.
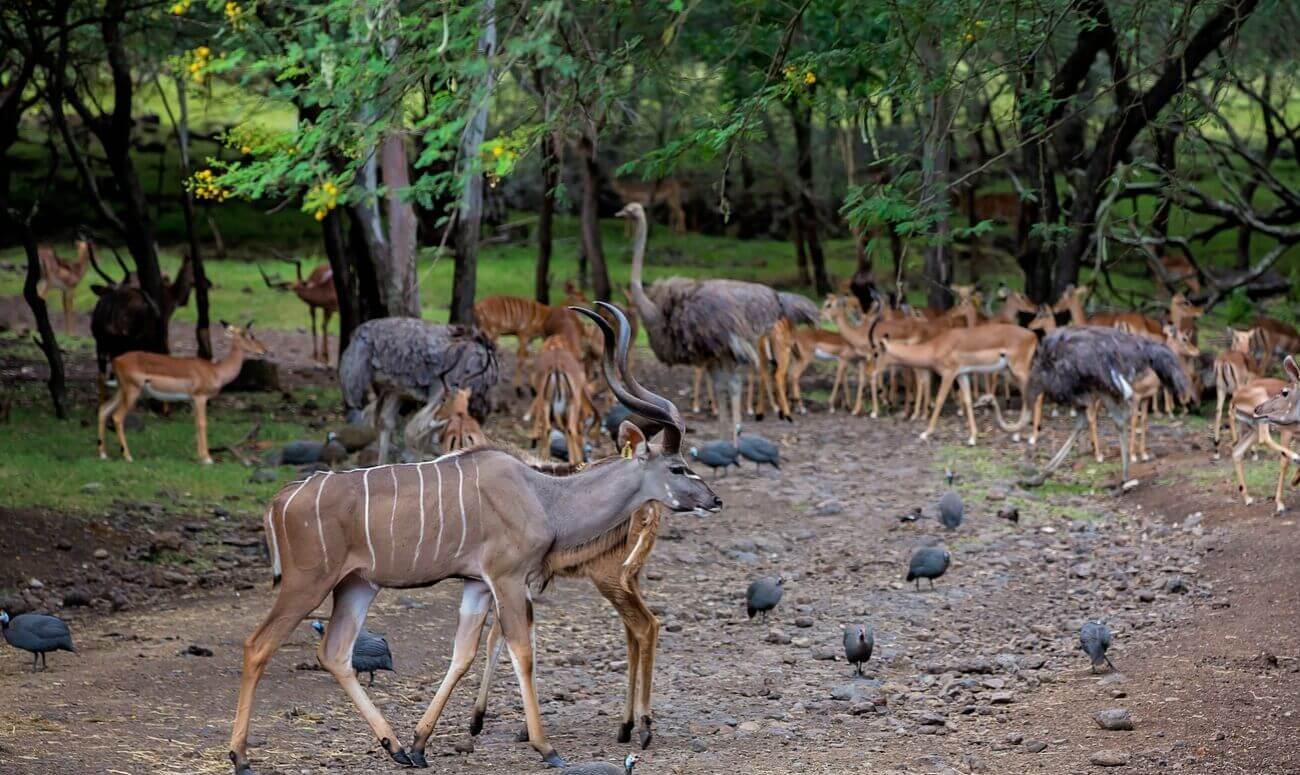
(496, 536)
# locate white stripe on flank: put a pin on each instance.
(437, 548)
(478, 489)
(392, 522)
(460, 491)
(284, 510)
(419, 471)
(365, 488)
(320, 528)
(275, 546)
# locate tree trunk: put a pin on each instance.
(545, 217)
(469, 222)
(370, 300)
(344, 288)
(202, 327)
(1133, 116)
(801, 118)
(591, 242)
(403, 283)
(934, 181)
(1167, 160)
(48, 343)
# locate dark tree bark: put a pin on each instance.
(364, 273)
(202, 327)
(1134, 115)
(1166, 142)
(49, 344)
(801, 118)
(592, 248)
(934, 182)
(336, 253)
(545, 217)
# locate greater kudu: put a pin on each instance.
(496, 537)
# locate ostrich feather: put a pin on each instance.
(1077, 362)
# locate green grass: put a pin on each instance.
(53, 464)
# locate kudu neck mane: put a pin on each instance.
(583, 506)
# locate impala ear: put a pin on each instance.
(224, 324)
(1292, 370)
(630, 437)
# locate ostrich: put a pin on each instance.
(1078, 364)
(710, 323)
(414, 360)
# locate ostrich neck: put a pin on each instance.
(646, 308)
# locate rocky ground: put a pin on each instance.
(983, 674)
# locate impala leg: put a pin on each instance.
(68, 296)
(964, 382)
(875, 391)
(494, 646)
(515, 612)
(1238, 453)
(291, 606)
(782, 373)
(352, 598)
(945, 385)
(127, 396)
(1038, 417)
(106, 408)
(1219, 395)
(201, 423)
(474, 602)
(1091, 413)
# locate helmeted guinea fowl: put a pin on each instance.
(603, 768)
(559, 446)
(763, 595)
(303, 451)
(1076, 365)
(38, 634)
(717, 454)
(1094, 639)
(928, 562)
(951, 510)
(370, 653)
(859, 640)
(758, 449)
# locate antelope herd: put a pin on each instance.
(503, 521)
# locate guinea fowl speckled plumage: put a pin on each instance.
(38, 634)
(1094, 639)
(757, 449)
(859, 641)
(717, 454)
(951, 510)
(928, 562)
(763, 595)
(370, 653)
(559, 446)
(603, 768)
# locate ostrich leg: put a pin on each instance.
(1119, 413)
(737, 383)
(1037, 480)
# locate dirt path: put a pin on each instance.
(964, 679)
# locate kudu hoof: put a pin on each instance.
(399, 755)
(476, 724)
(647, 735)
(241, 768)
(625, 732)
(758, 417)
(417, 758)
(553, 759)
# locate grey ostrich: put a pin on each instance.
(1078, 364)
(714, 324)
(407, 359)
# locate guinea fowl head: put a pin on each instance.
(4, 619)
(631, 761)
(318, 626)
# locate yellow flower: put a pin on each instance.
(203, 51)
(330, 188)
(970, 37)
(497, 150)
(320, 215)
(245, 149)
(809, 78)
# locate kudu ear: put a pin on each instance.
(630, 439)
(1292, 370)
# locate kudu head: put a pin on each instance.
(1284, 408)
(665, 477)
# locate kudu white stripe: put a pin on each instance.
(320, 527)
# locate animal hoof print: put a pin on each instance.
(553, 759)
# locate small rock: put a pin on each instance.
(1192, 521)
(167, 541)
(1015, 738)
(803, 621)
(777, 636)
(101, 554)
(1147, 596)
(464, 746)
(749, 726)
(1176, 586)
(1114, 720)
(1081, 571)
(1109, 758)
(117, 600)
(996, 494)
(698, 745)
(35, 584)
(824, 654)
(406, 601)
(197, 651)
(1002, 698)
(1035, 746)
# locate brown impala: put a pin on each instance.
(484, 516)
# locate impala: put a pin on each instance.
(1233, 368)
(62, 276)
(498, 520)
(956, 354)
(167, 378)
(562, 398)
(524, 318)
(1259, 403)
(318, 293)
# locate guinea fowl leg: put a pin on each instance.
(475, 601)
